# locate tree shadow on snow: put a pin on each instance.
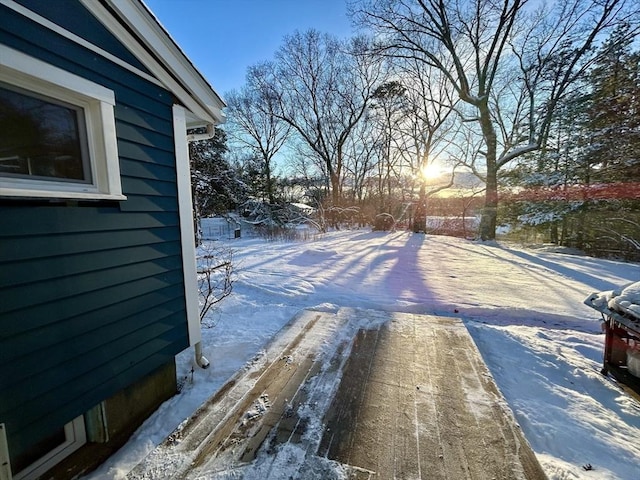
(596, 280)
(572, 399)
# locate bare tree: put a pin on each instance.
(361, 158)
(216, 275)
(388, 109)
(252, 123)
(510, 63)
(321, 87)
(427, 127)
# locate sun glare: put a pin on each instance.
(431, 171)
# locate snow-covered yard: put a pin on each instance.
(523, 308)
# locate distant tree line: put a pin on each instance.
(583, 188)
(526, 97)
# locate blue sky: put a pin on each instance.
(224, 37)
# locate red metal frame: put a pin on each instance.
(621, 334)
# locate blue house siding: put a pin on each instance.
(91, 294)
(73, 17)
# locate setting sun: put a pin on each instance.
(431, 171)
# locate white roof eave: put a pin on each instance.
(154, 47)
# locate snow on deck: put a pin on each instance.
(355, 394)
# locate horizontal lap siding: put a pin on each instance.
(91, 297)
(73, 17)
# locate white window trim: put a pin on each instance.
(17, 68)
(187, 232)
(75, 437)
(5, 463)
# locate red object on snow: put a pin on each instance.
(621, 345)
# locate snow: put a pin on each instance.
(625, 300)
(523, 307)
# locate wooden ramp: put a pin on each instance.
(360, 394)
(417, 401)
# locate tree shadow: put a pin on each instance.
(597, 280)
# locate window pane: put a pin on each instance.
(33, 452)
(41, 137)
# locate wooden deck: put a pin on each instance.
(416, 401)
(375, 395)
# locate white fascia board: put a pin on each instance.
(76, 39)
(140, 18)
(160, 55)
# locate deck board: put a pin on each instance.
(418, 402)
(412, 400)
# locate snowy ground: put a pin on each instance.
(524, 309)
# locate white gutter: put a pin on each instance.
(208, 135)
(200, 359)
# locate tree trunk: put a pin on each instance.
(419, 223)
(335, 188)
(267, 171)
(488, 220)
(580, 229)
(553, 233)
(197, 231)
(489, 216)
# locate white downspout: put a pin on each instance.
(200, 359)
(186, 227)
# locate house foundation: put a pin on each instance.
(110, 424)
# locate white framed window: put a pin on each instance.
(45, 454)
(57, 133)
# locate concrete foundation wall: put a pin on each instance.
(123, 414)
